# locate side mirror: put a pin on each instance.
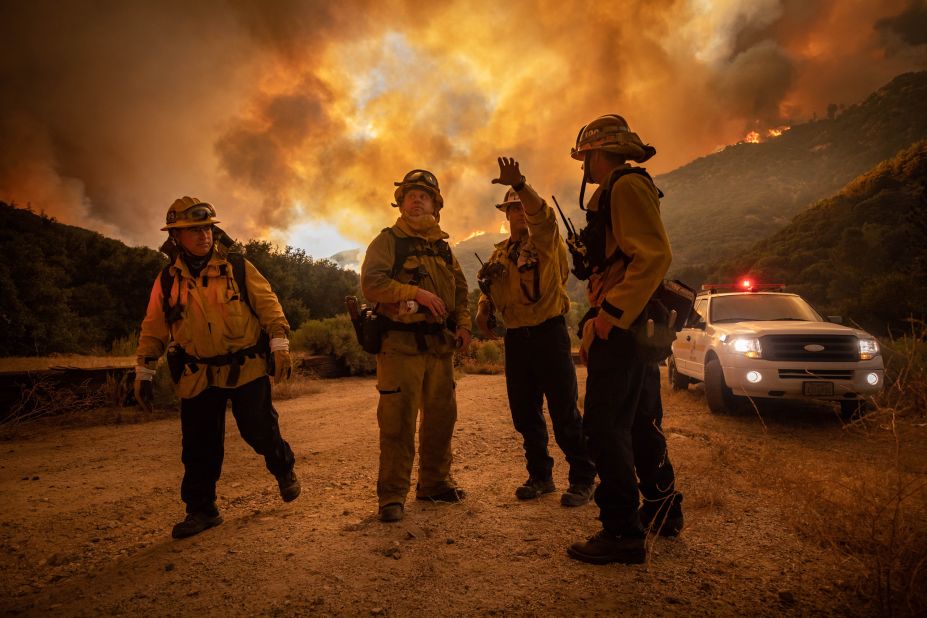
(836, 319)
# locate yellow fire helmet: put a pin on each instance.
(419, 179)
(189, 212)
(511, 197)
(611, 133)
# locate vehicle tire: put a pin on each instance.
(852, 409)
(678, 382)
(721, 400)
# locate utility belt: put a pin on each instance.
(178, 359)
(663, 316)
(370, 326)
(526, 332)
(420, 329)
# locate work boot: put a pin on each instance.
(534, 488)
(454, 494)
(577, 494)
(604, 547)
(658, 518)
(289, 486)
(391, 512)
(195, 523)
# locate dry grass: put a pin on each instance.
(44, 399)
(297, 386)
(874, 514)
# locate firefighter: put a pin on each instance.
(628, 253)
(421, 297)
(214, 313)
(526, 278)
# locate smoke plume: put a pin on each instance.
(291, 111)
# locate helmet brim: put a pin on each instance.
(182, 224)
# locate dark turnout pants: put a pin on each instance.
(538, 364)
(202, 420)
(623, 421)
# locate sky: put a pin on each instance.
(295, 117)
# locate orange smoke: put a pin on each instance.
(287, 112)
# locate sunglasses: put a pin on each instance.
(419, 176)
(199, 213)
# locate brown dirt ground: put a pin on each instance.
(86, 515)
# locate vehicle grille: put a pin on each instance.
(837, 348)
(816, 374)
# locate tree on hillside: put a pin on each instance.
(860, 254)
(305, 286)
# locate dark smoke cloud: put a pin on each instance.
(908, 28)
(287, 111)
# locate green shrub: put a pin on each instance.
(483, 357)
(334, 336)
(486, 352)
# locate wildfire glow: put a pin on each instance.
(754, 137)
(325, 105)
(503, 229)
(475, 234)
(777, 131)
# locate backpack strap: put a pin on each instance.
(174, 313)
(171, 314)
(605, 211)
(404, 248)
(237, 260)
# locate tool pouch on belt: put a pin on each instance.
(176, 359)
(371, 331)
(368, 326)
(652, 333)
(663, 316)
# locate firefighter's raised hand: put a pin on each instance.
(432, 302)
(509, 174)
(144, 388)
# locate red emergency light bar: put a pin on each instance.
(744, 285)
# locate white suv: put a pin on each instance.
(772, 345)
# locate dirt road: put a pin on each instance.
(86, 514)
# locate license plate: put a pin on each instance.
(818, 389)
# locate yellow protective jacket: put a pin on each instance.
(215, 321)
(622, 290)
(380, 285)
(536, 292)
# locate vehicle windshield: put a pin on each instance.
(761, 307)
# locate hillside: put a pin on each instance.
(482, 245)
(67, 289)
(726, 201)
(861, 254)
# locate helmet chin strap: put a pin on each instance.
(586, 178)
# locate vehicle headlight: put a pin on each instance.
(748, 346)
(868, 349)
